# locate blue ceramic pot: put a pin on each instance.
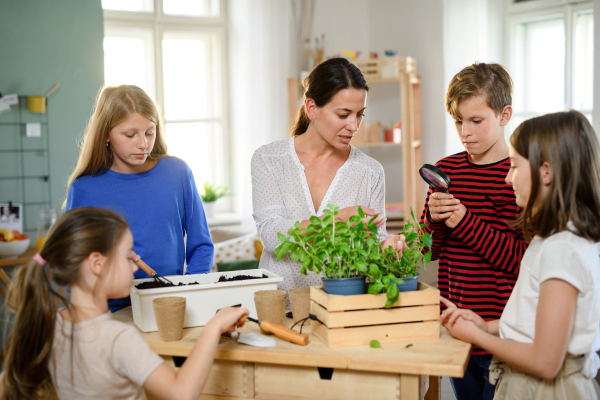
(409, 285)
(344, 286)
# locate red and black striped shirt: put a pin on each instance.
(479, 258)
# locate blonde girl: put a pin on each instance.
(123, 166)
(546, 340)
(80, 350)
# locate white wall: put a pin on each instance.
(413, 28)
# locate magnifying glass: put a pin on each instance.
(435, 177)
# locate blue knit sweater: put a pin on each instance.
(161, 205)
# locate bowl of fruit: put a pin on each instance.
(12, 243)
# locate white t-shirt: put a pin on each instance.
(111, 360)
(574, 260)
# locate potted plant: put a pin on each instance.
(405, 265)
(210, 196)
(347, 253)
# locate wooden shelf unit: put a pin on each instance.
(402, 71)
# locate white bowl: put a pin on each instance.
(13, 249)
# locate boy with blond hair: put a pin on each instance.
(479, 254)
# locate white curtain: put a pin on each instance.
(262, 56)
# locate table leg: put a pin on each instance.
(413, 387)
(435, 389)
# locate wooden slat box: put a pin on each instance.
(387, 68)
(356, 320)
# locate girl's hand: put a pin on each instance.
(462, 329)
(344, 214)
(397, 242)
(226, 319)
(452, 313)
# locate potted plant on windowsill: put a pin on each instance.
(210, 196)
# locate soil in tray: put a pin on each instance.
(154, 284)
(223, 278)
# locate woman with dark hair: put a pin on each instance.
(294, 179)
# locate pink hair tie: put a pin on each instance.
(39, 259)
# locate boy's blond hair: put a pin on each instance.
(491, 80)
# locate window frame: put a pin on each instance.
(536, 10)
(158, 23)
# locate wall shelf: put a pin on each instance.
(25, 163)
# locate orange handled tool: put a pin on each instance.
(159, 279)
(283, 332)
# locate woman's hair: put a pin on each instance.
(323, 82)
(567, 141)
(74, 236)
(114, 105)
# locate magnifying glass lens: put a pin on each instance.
(435, 177)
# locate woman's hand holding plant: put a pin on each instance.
(344, 215)
(398, 243)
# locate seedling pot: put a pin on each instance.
(270, 305)
(409, 285)
(300, 301)
(170, 314)
(344, 286)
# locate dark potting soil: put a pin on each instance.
(155, 284)
(223, 278)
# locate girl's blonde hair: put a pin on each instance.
(567, 141)
(75, 235)
(115, 104)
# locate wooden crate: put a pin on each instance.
(386, 69)
(356, 320)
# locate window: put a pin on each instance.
(174, 50)
(551, 58)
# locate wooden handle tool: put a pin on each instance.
(145, 267)
(283, 332)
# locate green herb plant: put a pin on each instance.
(340, 250)
(396, 265)
(212, 192)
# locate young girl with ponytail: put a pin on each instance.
(545, 342)
(80, 350)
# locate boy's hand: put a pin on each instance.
(456, 216)
(442, 205)
(462, 329)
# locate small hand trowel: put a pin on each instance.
(254, 339)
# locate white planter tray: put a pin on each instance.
(203, 300)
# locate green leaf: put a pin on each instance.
(411, 237)
(372, 228)
(413, 215)
(388, 304)
(375, 288)
(353, 219)
(375, 344)
(374, 271)
(361, 212)
(427, 240)
(278, 251)
(373, 218)
(427, 257)
(281, 237)
(409, 345)
(315, 220)
(392, 291)
(327, 221)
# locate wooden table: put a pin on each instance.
(289, 371)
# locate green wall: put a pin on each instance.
(47, 41)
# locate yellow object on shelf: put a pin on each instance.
(36, 104)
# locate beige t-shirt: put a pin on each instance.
(110, 360)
